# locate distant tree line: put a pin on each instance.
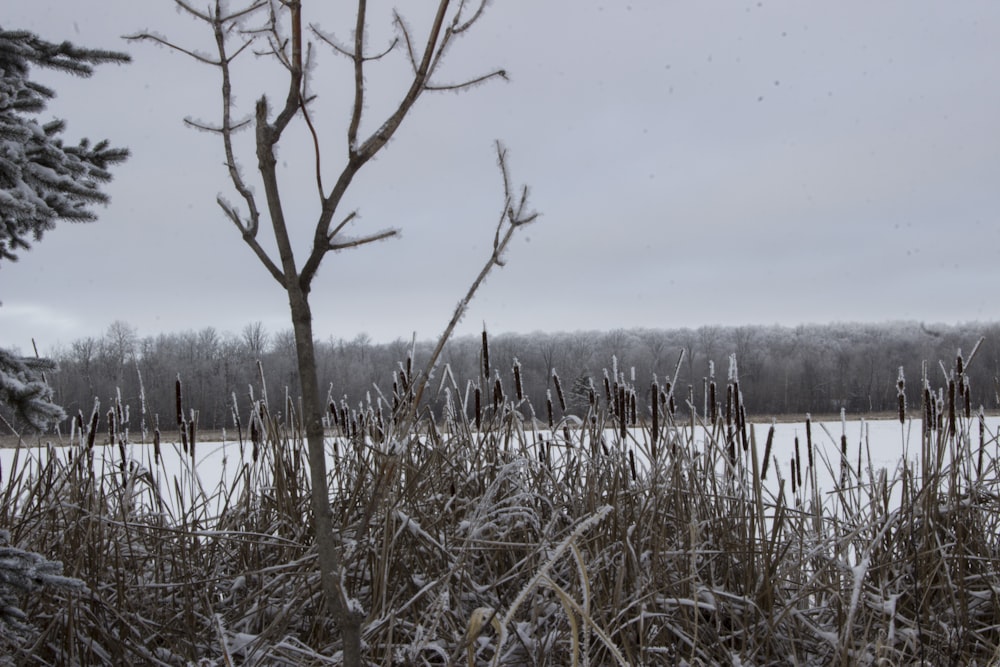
(819, 369)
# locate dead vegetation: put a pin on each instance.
(476, 538)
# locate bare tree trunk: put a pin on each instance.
(348, 615)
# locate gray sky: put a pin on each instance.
(694, 163)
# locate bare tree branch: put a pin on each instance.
(149, 37)
(216, 129)
(458, 28)
(381, 136)
(343, 223)
(502, 239)
(294, 97)
(398, 19)
(354, 243)
(468, 84)
(344, 51)
(359, 77)
(248, 237)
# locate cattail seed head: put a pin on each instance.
(559, 391)
(809, 441)
(486, 354)
(713, 405)
(180, 403)
(498, 396)
(951, 408)
(479, 408)
(767, 451)
(518, 389)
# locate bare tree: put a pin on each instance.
(254, 338)
(279, 34)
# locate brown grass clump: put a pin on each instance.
(479, 538)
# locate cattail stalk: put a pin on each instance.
(797, 463)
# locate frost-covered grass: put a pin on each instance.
(617, 541)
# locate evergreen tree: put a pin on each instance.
(23, 388)
(42, 180)
(24, 573)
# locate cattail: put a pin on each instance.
(767, 451)
(156, 445)
(623, 431)
(111, 426)
(92, 433)
(548, 407)
(960, 371)
(809, 441)
(928, 409)
(901, 396)
(843, 459)
(518, 390)
(631, 464)
(559, 391)
(486, 354)
(982, 441)
(192, 427)
(111, 438)
(729, 405)
(180, 403)
(952, 426)
(479, 408)
(743, 428)
(345, 415)
(608, 396)
(498, 397)
(633, 413)
(793, 475)
(713, 405)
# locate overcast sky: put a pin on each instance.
(693, 163)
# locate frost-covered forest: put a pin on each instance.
(785, 371)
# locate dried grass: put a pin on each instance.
(482, 540)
